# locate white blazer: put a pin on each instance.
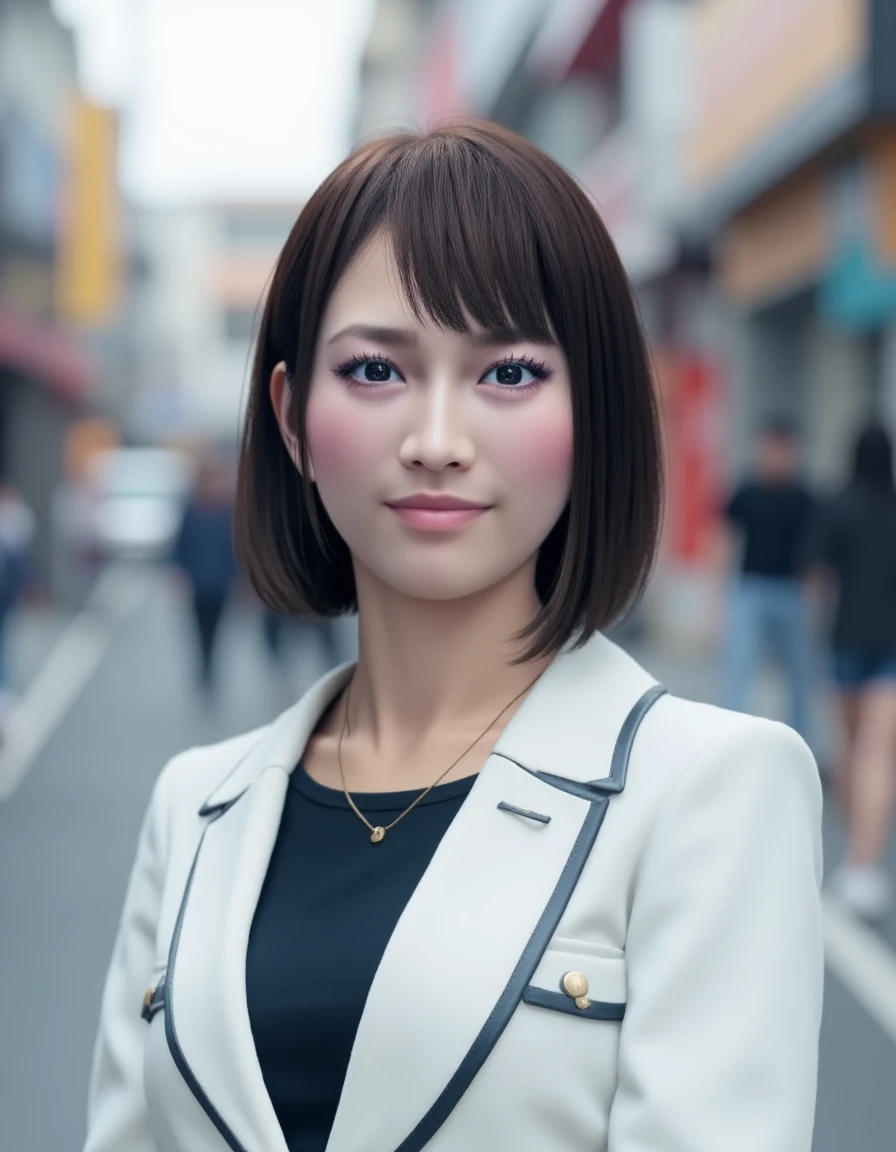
(666, 852)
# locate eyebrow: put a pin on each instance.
(404, 337)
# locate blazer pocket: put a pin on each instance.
(586, 948)
(579, 984)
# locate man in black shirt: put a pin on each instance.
(770, 512)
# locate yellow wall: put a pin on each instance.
(90, 257)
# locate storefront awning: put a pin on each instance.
(46, 354)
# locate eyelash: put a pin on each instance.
(537, 367)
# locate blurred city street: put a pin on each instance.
(68, 834)
(741, 155)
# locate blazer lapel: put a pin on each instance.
(474, 929)
(206, 1016)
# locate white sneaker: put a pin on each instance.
(864, 889)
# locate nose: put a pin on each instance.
(438, 438)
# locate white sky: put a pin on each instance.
(223, 98)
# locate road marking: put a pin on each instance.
(863, 962)
(66, 671)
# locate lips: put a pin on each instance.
(437, 502)
(436, 511)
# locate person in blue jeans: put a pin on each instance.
(853, 542)
(769, 514)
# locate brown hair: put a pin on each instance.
(483, 225)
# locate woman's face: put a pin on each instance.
(405, 420)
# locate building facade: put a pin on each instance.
(201, 303)
(46, 379)
(792, 160)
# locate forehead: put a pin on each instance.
(371, 285)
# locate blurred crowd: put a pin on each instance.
(203, 558)
(804, 568)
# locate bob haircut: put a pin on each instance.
(484, 227)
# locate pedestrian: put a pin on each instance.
(490, 886)
(273, 629)
(767, 517)
(17, 529)
(204, 554)
(853, 541)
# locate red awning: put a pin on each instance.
(45, 353)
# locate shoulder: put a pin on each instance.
(188, 778)
(687, 746)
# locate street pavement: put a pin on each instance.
(68, 835)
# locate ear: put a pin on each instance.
(283, 400)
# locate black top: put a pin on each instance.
(330, 902)
(774, 519)
(854, 535)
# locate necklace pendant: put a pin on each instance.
(377, 834)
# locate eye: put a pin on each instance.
(516, 373)
(368, 371)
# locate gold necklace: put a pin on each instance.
(378, 832)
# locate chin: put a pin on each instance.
(439, 582)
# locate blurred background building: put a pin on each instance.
(46, 378)
(68, 265)
(742, 156)
(210, 266)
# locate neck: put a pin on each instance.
(427, 664)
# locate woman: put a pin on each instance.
(854, 540)
(489, 887)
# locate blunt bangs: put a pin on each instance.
(487, 231)
(480, 262)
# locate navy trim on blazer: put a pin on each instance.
(538, 817)
(216, 810)
(170, 1030)
(613, 784)
(598, 794)
(560, 1002)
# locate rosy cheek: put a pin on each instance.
(336, 440)
(541, 449)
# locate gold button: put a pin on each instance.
(575, 984)
(147, 998)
